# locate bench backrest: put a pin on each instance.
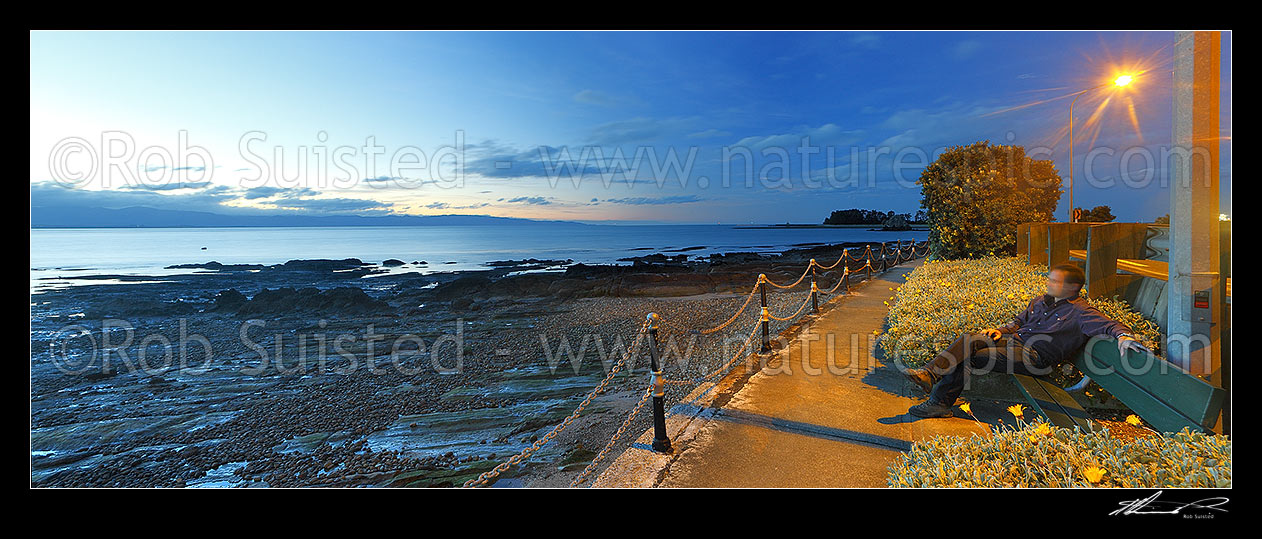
(1164, 395)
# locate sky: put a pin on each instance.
(618, 127)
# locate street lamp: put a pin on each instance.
(1120, 81)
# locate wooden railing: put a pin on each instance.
(1117, 257)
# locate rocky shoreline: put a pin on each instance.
(344, 373)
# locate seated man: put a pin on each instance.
(1049, 331)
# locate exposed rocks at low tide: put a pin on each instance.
(343, 300)
(396, 405)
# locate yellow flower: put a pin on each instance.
(967, 409)
(1016, 410)
(1093, 474)
(876, 332)
(1133, 419)
(1043, 429)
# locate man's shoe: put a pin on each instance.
(930, 409)
(923, 378)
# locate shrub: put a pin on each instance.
(1098, 214)
(976, 195)
(1042, 455)
(943, 299)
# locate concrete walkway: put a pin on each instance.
(798, 422)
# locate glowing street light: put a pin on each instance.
(1120, 82)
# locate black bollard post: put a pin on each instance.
(661, 442)
(766, 316)
(814, 289)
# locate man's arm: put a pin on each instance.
(1092, 322)
(1018, 321)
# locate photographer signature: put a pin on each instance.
(1148, 506)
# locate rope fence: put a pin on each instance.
(648, 332)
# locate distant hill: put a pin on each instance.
(146, 217)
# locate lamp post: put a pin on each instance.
(1119, 82)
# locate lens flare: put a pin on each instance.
(1112, 89)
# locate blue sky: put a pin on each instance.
(510, 106)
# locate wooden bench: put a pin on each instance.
(1128, 260)
(1053, 403)
(1164, 395)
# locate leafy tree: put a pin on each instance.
(1163, 220)
(976, 195)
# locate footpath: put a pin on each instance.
(828, 410)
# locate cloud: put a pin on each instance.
(867, 40)
(206, 199)
(641, 201)
(627, 131)
(594, 157)
(155, 168)
(496, 161)
(267, 191)
(827, 134)
(966, 49)
(213, 199)
(593, 97)
(536, 201)
(708, 133)
(333, 205)
(952, 124)
(449, 206)
(166, 186)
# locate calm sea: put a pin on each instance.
(66, 253)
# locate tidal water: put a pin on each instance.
(64, 254)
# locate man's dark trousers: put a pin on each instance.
(1006, 355)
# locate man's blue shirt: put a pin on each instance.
(1056, 330)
